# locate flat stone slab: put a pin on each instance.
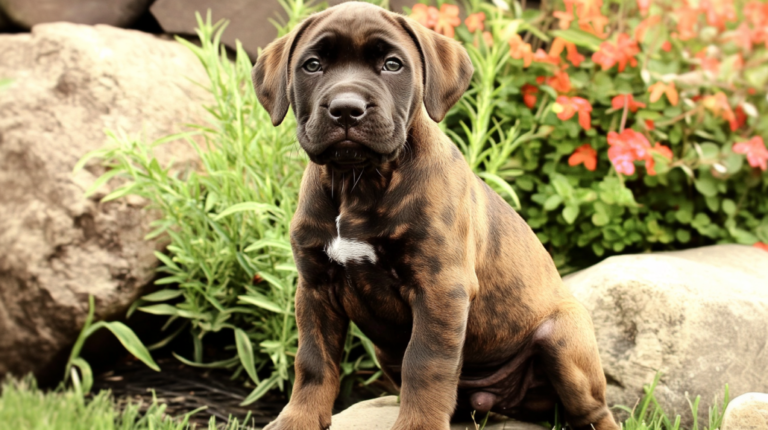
(381, 413)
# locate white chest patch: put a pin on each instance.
(343, 250)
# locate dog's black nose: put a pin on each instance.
(347, 109)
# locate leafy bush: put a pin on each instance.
(566, 102)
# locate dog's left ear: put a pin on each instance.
(271, 73)
(446, 67)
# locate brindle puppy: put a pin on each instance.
(395, 233)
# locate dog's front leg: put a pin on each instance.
(322, 330)
(432, 361)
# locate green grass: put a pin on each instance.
(23, 406)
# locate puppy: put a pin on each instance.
(394, 232)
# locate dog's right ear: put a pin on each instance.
(271, 74)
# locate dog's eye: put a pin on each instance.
(312, 66)
(392, 65)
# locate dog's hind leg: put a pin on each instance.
(568, 351)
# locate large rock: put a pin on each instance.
(249, 21)
(747, 412)
(381, 413)
(699, 316)
(119, 13)
(70, 83)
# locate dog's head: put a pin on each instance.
(356, 76)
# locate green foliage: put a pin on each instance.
(24, 407)
(84, 380)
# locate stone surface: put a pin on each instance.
(381, 413)
(118, 13)
(70, 83)
(747, 412)
(699, 316)
(249, 21)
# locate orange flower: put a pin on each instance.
(619, 101)
(584, 154)
(488, 38)
(711, 65)
(666, 46)
(541, 56)
(561, 82)
(757, 154)
(718, 12)
(621, 53)
(649, 124)
(475, 21)
(568, 106)
(644, 5)
(529, 95)
(719, 106)
(650, 163)
(660, 88)
(687, 17)
(447, 20)
(742, 37)
(573, 54)
(565, 17)
(520, 50)
(425, 15)
(761, 245)
(645, 25)
(595, 25)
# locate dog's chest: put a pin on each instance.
(346, 250)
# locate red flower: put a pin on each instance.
(565, 17)
(741, 117)
(425, 15)
(686, 21)
(529, 95)
(757, 154)
(761, 245)
(584, 154)
(560, 82)
(627, 147)
(474, 22)
(649, 124)
(619, 101)
(718, 12)
(621, 53)
(568, 106)
(666, 46)
(447, 20)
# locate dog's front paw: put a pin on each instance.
(294, 420)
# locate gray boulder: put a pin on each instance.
(747, 412)
(70, 83)
(249, 21)
(699, 316)
(118, 13)
(381, 413)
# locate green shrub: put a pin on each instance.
(562, 133)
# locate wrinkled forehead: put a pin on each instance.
(355, 29)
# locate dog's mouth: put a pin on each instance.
(346, 155)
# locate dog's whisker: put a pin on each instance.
(377, 171)
(358, 179)
(331, 183)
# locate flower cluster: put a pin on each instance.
(634, 95)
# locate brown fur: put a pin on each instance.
(464, 305)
